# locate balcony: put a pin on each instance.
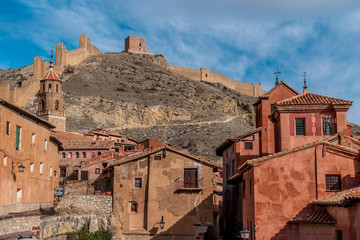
(181, 187)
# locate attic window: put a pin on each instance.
(327, 126)
(248, 145)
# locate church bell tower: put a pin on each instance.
(51, 99)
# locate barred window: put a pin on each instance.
(327, 126)
(333, 182)
(248, 145)
(138, 182)
(300, 127)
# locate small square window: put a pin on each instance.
(248, 145)
(138, 182)
(133, 206)
(97, 170)
(333, 182)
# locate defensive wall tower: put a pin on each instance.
(136, 45)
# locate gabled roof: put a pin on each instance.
(266, 95)
(313, 99)
(252, 162)
(25, 113)
(51, 75)
(318, 217)
(140, 155)
(228, 142)
(341, 198)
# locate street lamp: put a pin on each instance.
(21, 168)
(162, 223)
(244, 234)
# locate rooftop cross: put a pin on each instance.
(305, 87)
(277, 75)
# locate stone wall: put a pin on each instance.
(84, 204)
(206, 74)
(19, 224)
(23, 207)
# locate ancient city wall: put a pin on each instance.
(206, 74)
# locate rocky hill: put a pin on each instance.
(136, 95)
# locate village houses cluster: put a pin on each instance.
(296, 175)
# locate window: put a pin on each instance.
(244, 187)
(138, 182)
(49, 87)
(97, 170)
(5, 160)
(56, 105)
(33, 139)
(300, 127)
(77, 154)
(99, 153)
(19, 194)
(333, 182)
(57, 88)
(122, 140)
(272, 108)
(133, 206)
(327, 126)
(31, 167)
(139, 44)
(18, 137)
(45, 145)
(55, 173)
(63, 155)
(41, 167)
(157, 157)
(248, 145)
(62, 171)
(190, 177)
(84, 154)
(43, 105)
(7, 128)
(70, 155)
(84, 175)
(51, 170)
(339, 235)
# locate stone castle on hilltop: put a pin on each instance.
(64, 59)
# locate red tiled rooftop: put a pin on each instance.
(51, 75)
(320, 217)
(341, 198)
(311, 98)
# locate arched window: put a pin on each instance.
(43, 105)
(70, 155)
(57, 88)
(63, 155)
(49, 87)
(77, 154)
(84, 154)
(99, 153)
(56, 105)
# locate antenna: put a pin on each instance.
(277, 76)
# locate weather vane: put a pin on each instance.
(305, 87)
(277, 75)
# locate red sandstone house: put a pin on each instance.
(162, 185)
(278, 177)
(29, 163)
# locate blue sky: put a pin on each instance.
(245, 40)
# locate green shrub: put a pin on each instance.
(84, 234)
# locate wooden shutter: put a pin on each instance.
(190, 177)
(18, 131)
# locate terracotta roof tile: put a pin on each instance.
(51, 75)
(319, 217)
(311, 99)
(341, 198)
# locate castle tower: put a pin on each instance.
(51, 99)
